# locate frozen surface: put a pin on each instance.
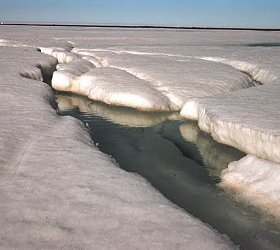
(198, 68)
(60, 192)
(256, 180)
(173, 172)
(177, 79)
(248, 120)
(112, 86)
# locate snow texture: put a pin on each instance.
(176, 80)
(261, 188)
(112, 86)
(190, 70)
(248, 120)
(60, 192)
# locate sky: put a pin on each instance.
(209, 13)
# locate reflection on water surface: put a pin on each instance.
(178, 159)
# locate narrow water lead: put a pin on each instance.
(179, 160)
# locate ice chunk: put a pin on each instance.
(113, 86)
(63, 56)
(95, 61)
(255, 180)
(78, 66)
(197, 77)
(248, 120)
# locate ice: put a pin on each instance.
(255, 180)
(197, 77)
(178, 177)
(193, 70)
(259, 74)
(60, 192)
(122, 116)
(248, 120)
(112, 86)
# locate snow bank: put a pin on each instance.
(250, 121)
(197, 77)
(112, 86)
(256, 181)
(226, 118)
(52, 199)
(258, 74)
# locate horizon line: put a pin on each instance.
(136, 26)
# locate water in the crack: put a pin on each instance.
(178, 159)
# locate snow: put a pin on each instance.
(259, 74)
(226, 118)
(60, 192)
(161, 73)
(249, 121)
(261, 188)
(112, 86)
(193, 72)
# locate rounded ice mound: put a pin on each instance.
(117, 87)
(67, 74)
(77, 66)
(63, 56)
(256, 181)
(179, 79)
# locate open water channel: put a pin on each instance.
(179, 160)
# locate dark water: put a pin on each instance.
(263, 45)
(178, 159)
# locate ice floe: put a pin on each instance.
(112, 86)
(179, 80)
(247, 120)
(255, 180)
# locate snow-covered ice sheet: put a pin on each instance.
(256, 180)
(248, 120)
(177, 79)
(60, 192)
(166, 60)
(112, 86)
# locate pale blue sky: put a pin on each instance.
(223, 13)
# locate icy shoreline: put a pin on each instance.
(224, 116)
(249, 121)
(52, 199)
